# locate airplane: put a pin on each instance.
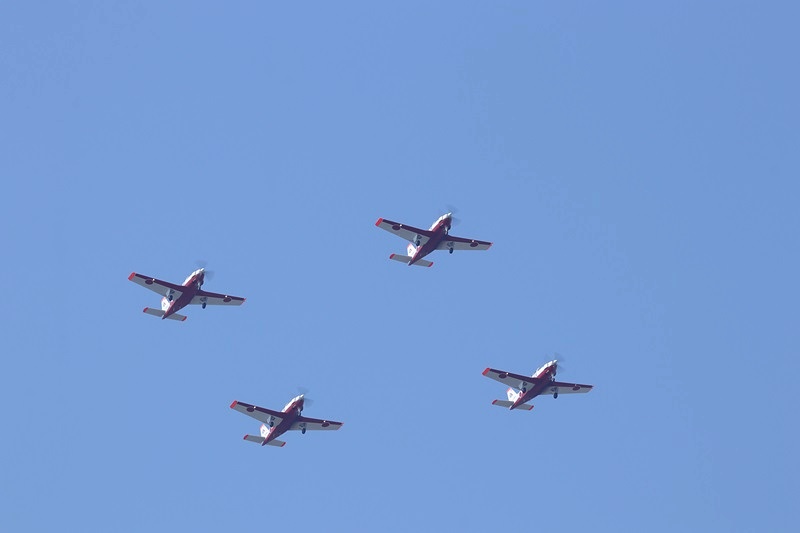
(543, 381)
(276, 423)
(176, 297)
(422, 242)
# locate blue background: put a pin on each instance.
(636, 166)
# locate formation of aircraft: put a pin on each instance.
(276, 423)
(422, 242)
(521, 389)
(176, 297)
(543, 381)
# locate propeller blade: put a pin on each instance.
(202, 263)
(560, 359)
(306, 400)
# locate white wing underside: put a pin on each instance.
(156, 285)
(314, 424)
(212, 298)
(404, 231)
(259, 413)
(457, 243)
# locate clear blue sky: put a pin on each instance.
(636, 166)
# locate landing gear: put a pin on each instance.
(271, 421)
(303, 431)
(555, 395)
(451, 250)
(204, 305)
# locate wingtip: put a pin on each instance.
(494, 402)
(490, 245)
(145, 309)
(245, 437)
(282, 445)
(430, 264)
(234, 403)
(486, 371)
(392, 256)
(378, 223)
(131, 276)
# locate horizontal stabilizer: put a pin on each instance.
(260, 440)
(405, 259)
(507, 404)
(160, 313)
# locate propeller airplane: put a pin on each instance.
(176, 297)
(422, 242)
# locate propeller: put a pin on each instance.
(454, 220)
(307, 402)
(202, 263)
(559, 366)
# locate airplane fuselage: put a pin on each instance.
(439, 230)
(292, 410)
(543, 378)
(192, 284)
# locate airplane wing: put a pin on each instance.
(212, 298)
(259, 413)
(517, 381)
(156, 285)
(405, 231)
(315, 423)
(458, 243)
(566, 388)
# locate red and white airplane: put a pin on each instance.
(543, 381)
(176, 297)
(422, 242)
(276, 423)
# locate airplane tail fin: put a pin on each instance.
(156, 312)
(512, 395)
(264, 434)
(507, 404)
(406, 258)
(260, 440)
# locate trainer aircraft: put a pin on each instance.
(543, 381)
(422, 242)
(176, 297)
(276, 423)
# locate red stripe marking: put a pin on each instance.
(378, 223)
(132, 275)
(486, 371)
(234, 403)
